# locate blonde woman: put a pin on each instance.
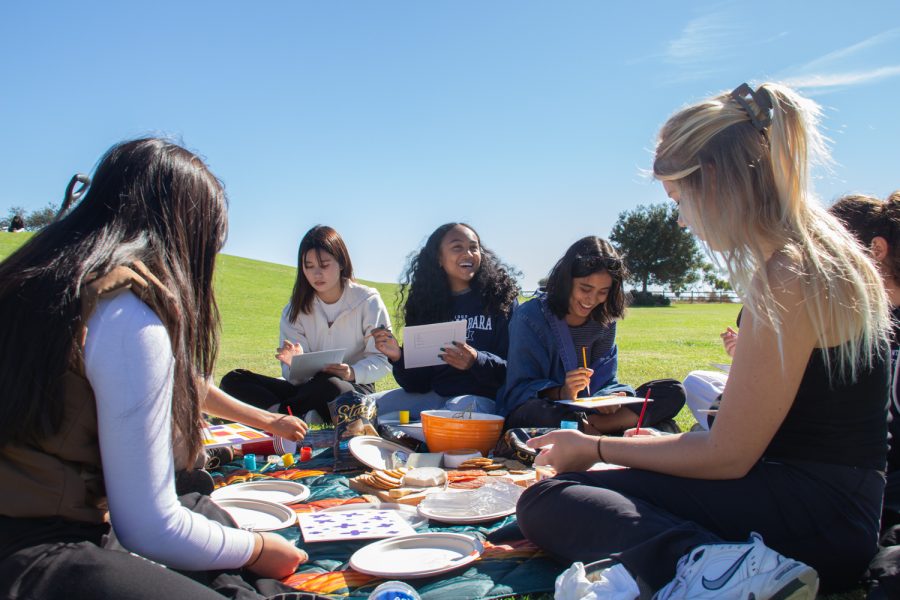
(797, 454)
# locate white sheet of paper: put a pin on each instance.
(353, 525)
(422, 343)
(304, 366)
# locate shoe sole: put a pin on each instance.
(803, 586)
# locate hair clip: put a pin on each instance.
(763, 102)
(72, 195)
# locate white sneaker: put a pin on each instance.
(749, 571)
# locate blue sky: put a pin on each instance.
(532, 121)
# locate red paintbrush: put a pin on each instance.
(637, 430)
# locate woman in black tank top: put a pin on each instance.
(797, 453)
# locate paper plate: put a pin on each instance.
(409, 513)
(458, 520)
(420, 555)
(258, 515)
(374, 452)
(270, 490)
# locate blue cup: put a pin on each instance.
(394, 590)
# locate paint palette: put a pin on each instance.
(232, 434)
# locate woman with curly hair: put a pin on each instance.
(453, 277)
(563, 345)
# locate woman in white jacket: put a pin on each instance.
(328, 310)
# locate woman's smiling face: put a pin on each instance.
(460, 257)
(587, 294)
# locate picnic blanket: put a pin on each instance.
(510, 565)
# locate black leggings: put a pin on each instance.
(824, 515)
(55, 559)
(265, 392)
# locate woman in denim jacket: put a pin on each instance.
(563, 345)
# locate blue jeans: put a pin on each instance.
(391, 402)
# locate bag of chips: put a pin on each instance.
(353, 414)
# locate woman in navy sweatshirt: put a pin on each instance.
(453, 277)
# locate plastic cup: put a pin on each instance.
(394, 590)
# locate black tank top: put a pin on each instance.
(838, 423)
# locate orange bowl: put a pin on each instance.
(452, 430)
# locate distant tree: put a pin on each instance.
(712, 279)
(657, 250)
(40, 218)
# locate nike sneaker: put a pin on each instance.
(746, 571)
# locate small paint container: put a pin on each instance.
(404, 417)
(288, 460)
(250, 462)
(305, 453)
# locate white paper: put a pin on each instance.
(422, 343)
(353, 525)
(304, 366)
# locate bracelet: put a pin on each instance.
(600, 449)
(262, 547)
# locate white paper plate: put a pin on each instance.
(258, 515)
(458, 520)
(409, 513)
(602, 401)
(420, 555)
(373, 451)
(270, 490)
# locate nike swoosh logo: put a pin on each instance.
(720, 581)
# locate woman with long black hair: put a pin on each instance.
(111, 336)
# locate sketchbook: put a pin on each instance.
(595, 401)
(305, 366)
(422, 343)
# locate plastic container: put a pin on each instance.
(250, 462)
(451, 430)
(394, 590)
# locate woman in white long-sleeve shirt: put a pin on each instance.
(328, 310)
(99, 413)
